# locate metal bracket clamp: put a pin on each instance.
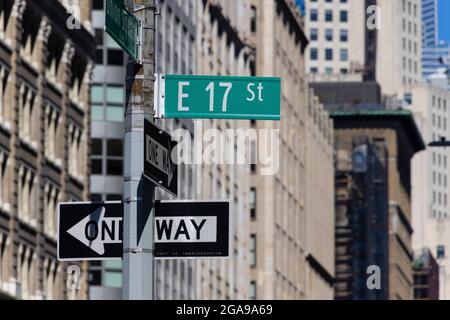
(133, 199)
(155, 8)
(138, 250)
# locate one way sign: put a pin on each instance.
(186, 229)
(90, 231)
(159, 166)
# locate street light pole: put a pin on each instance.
(139, 193)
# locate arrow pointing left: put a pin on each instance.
(95, 231)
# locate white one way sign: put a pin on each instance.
(93, 231)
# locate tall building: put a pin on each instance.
(395, 138)
(436, 53)
(361, 217)
(176, 54)
(45, 71)
(291, 211)
(430, 29)
(431, 191)
(426, 276)
(358, 40)
(222, 28)
(434, 58)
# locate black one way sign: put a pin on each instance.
(159, 166)
(186, 229)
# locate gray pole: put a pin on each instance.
(138, 192)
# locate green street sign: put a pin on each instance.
(122, 26)
(217, 97)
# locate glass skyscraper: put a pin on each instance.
(435, 53)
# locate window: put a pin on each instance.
(4, 183)
(76, 147)
(328, 70)
(27, 124)
(96, 156)
(314, 34)
(252, 293)
(51, 201)
(344, 16)
(114, 157)
(328, 15)
(313, 16)
(3, 257)
(26, 268)
(52, 134)
(329, 34)
(253, 203)
(99, 39)
(329, 54)
(4, 90)
(344, 35)
(115, 54)
(252, 246)
(344, 54)
(115, 99)
(314, 70)
(6, 8)
(314, 54)
(97, 5)
(27, 195)
(440, 252)
(253, 19)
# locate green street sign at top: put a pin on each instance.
(122, 26)
(217, 97)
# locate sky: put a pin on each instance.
(444, 20)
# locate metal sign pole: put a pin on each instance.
(138, 193)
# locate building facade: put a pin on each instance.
(222, 28)
(397, 133)
(431, 191)
(45, 71)
(175, 54)
(430, 29)
(358, 40)
(287, 259)
(361, 217)
(426, 276)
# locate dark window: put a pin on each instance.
(313, 15)
(96, 166)
(114, 167)
(96, 197)
(115, 148)
(329, 54)
(113, 197)
(97, 147)
(97, 5)
(344, 16)
(328, 15)
(95, 278)
(115, 57)
(253, 20)
(440, 252)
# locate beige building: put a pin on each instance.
(431, 187)
(221, 29)
(347, 46)
(397, 132)
(292, 215)
(44, 142)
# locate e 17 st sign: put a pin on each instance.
(217, 97)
